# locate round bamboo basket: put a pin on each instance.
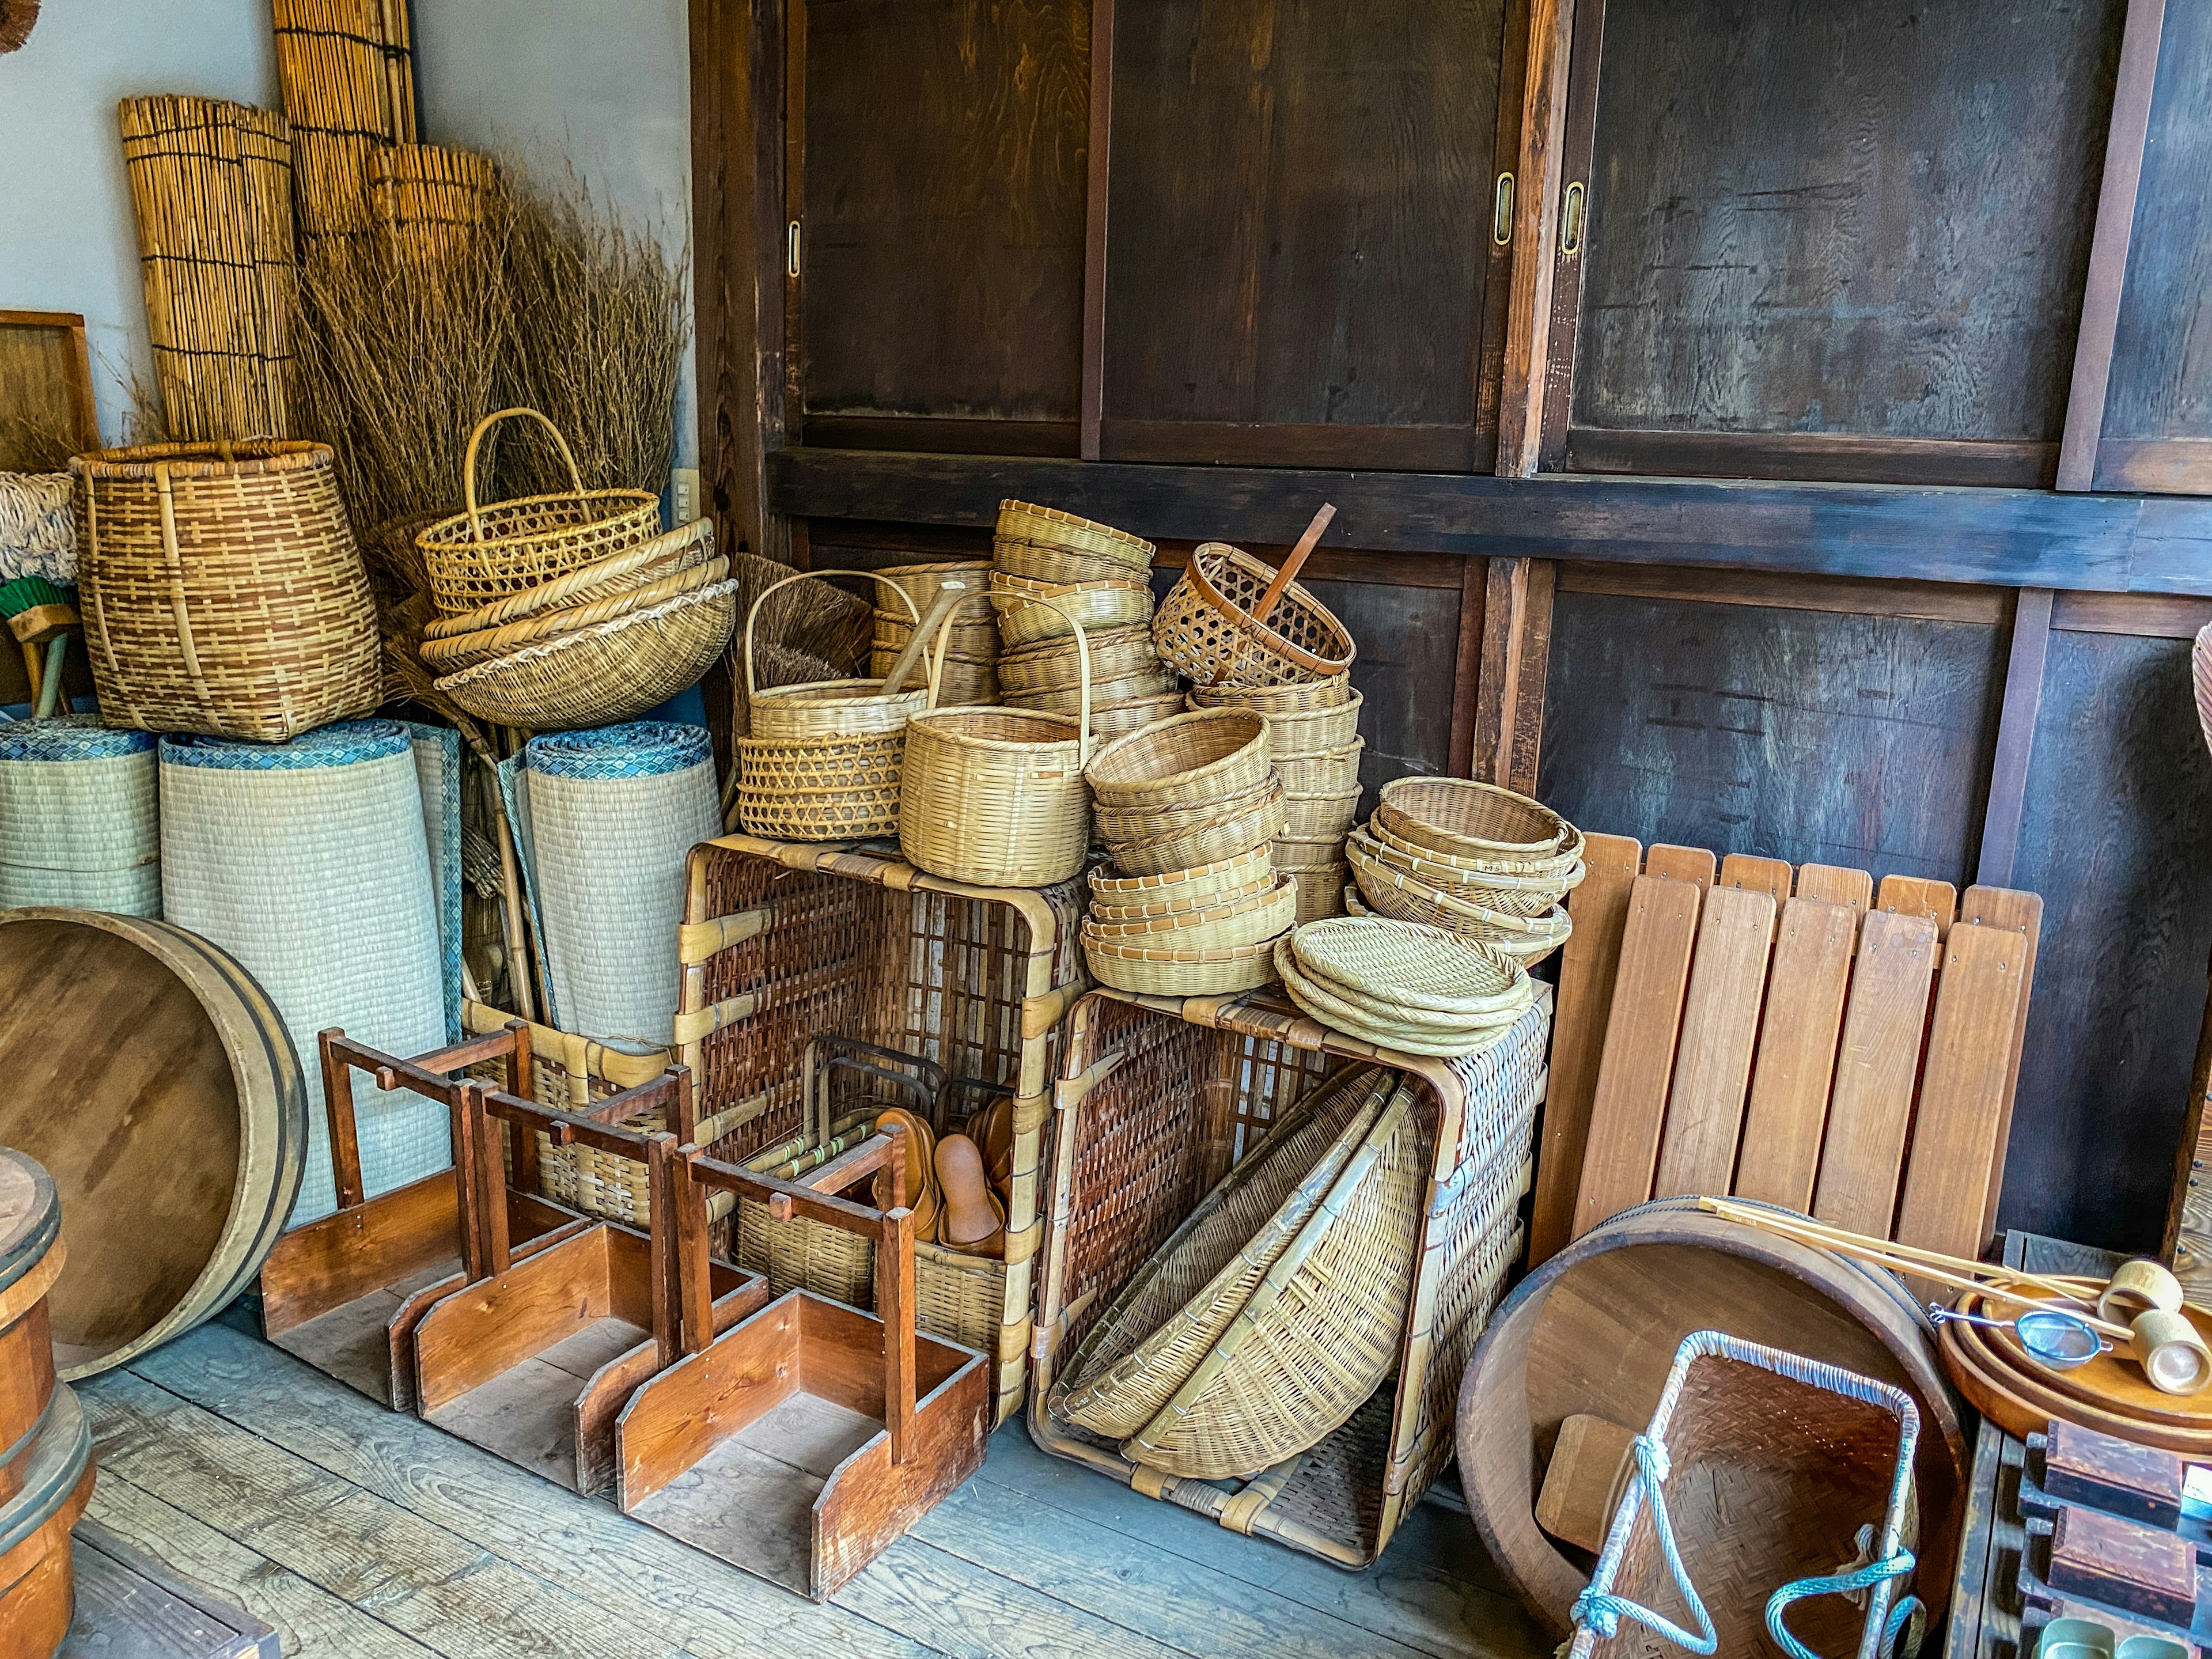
(1211, 754)
(996, 796)
(1291, 697)
(485, 553)
(677, 550)
(1405, 1035)
(1265, 914)
(1322, 814)
(1321, 892)
(920, 583)
(452, 654)
(1511, 891)
(826, 708)
(1116, 653)
(1391, 827)
(1146, 910)
(1059, 565)
(1118, 720)
(1119, 824)
(1313, 732)
(1208, 844)
(1068, 700)
(1205, 882)
(1404, 967)
(1321, 774)
(1386, 893)
(1046, 526)
(1151, 971)
(826, 789)
(1303, 853)
(1206, 629)
(1471, 820)
(1094, 604)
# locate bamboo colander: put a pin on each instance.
(1213, 754)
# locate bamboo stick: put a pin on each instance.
(346, 70)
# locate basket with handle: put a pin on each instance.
(484, 553)
(1230, 621)
(996, 797)
(644, 565)
(827, 709)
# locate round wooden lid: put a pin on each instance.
(30, 1214)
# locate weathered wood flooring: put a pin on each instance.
(360, 1533)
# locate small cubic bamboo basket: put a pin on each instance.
(1205, 627)
(485, 553)
(222, 590)
(1207, 754)
(1046, 526)
(1054, 664)
(1094, 604)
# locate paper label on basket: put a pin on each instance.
(517, 815)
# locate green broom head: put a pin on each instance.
(27, 593)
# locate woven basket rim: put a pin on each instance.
(1102, 764)
(1553, 924)
(566, 619)
(1101, 639)
(1315, 665)
(1402, 787)
(1169, 922)
(204, 459)
(1408, 1037)
(559, 643)
(1381, 825)
(1253, 697)
(1422, 863)
(1268, 798)
(1088, 526)
(1152, 953)
(1005, 581)
(1103, 883)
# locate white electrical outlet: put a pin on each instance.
(684, 487)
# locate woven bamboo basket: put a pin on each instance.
(1321, 892)
(1058, 565)
(1514, 894)
(1316, 731)
(1468, 819)
(1209, 754)
(1243, 871)
(1158, 970)
(1119, 826)
(1116, 653)
(1177, 1305)
(820, 789)
(1266, 915)
(965, 685)
(1298, 852)
(963, 639)
(211, 192)
(428, 204)
(603, 675)
(1404, 967)
(345, 69)
(451, 655)
(1364, 1009)
(1068, 699)
(1118, 720)
(1405, 1035)
(996, 797)
(1324, 773)
(222, 590)
(485, 553)
(1046, 526)
(1182, 904)
(1322, 814)
(1207, 628)
(1275, 701)
(1564, 866)
(1823, 1456)
(1529, 940)
(686, 548)
(1094, 604)
(1210, 843)
(827, 709)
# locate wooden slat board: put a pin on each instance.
(1691, 864)
(1788, 1108)
(1720, 1024)
(1631, 1101)
(1768, 876)
(1957, 1139)
(1875, 1072)
(1917, 896)
(2009, 908)
(1599, 909)
(1835, 884)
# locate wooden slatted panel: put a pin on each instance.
(1631, 1103)
(2014, 911)
(1833, 884)
(1956, 1137)
(1917, 896)
(1875, 1068)
(1720, 1024)
(1788, 1108)
(1587, 965)
(1692, 864)
(1768, 876)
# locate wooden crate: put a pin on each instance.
(784, 942)
(1158, 1097)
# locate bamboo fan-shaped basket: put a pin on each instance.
(211, 192)
(1186, 887)
(1231, 620)
(428, 204)
(345, 69)
(1046, 526)
(1319, 1332)
(996, 796)
(1208, 754)
(1116, 653)
(482, 553)
(222, 590)
(686, 548)
(79, 825)
(1178, 1303)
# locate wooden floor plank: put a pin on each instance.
(591, 1549)
(312, 1623)
(454, 1597)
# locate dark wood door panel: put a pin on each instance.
(1818, 737)
(2113, 837)
(1869, 219)
(943, 216)
(1299, 223)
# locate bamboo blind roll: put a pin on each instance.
(78, 825)
(211, 190)
(426, 201)
(346, 69)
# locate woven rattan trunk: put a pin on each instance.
(784, 942)
(1158, 1097)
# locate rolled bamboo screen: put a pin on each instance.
(211, 188)
(427, 200)
(347, 72)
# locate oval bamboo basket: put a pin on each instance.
(452, 654)
(1209, 844)
(1291, 697)
(1118, 720)
(826, 708)
(1116, 653)
(1515, 895)
(633, 568)
(1047, 526)
(1145, 910)
(1246, 869)
(1059, 565)
(1119, 824)
(1390, 826)
(1317, 775)
(1094, 604)
(1301, 852)
(1068, 699)
(996, 796)
(1208, 754)
(1469, 819)
(1150, 971)
(1206, 626)
(485, 553)
(1267, 914)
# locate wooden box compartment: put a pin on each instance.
(1158, 1097)
(783, 943)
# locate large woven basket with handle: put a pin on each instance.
(1231, 620)
(222, 590)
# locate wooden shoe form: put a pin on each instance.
(975, 1223)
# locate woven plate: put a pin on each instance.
(1508, 935)
(1404, 1036)
(1361, 1009)
(1403, 962)
(1210, 754)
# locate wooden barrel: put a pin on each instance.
(37, 1583)
(31, 1257)
(149, 1072)
(1595, 1330)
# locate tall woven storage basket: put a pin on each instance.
(1158, 1097)
(608, 817)
(308, 862)
(222, 590)
(79, 825)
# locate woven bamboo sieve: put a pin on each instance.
(1161, 971)
(1242, 871)
(211, 192)
(1387, 1027)
(1094, 604)
(482, 553)
(1046, 526)
(997, 796)
(264, 631)
(1386, 893)
(1212, 754)
(345, 69)
(428, 203)
(1361, 1007)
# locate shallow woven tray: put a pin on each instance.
(1047, 526)
(1406, 1035)
(1512, 894)
(1267, 914)
(1429, 969)
(1472, 820)
(1292, 697)
(1207, 754)
(1486, 928)
(1152, 972)
(1564, 865)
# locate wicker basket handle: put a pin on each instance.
(1083, 666)
(173, 555)
(1289, 567)
(938, 622)
(469, 462)
(752, 685)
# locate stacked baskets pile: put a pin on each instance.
(969, 676)
(1094, 576)
(1314, 728)
(1187, 809)
(1418, 989)
(1473, 858)
(562, 611)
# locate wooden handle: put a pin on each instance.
(1290, 565)
(940, 615)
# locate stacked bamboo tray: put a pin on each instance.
(1400, 985)
(1313, 731)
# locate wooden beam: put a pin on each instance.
(1527, 747)
(1466, 666)
(1091, 410)
(2023, 698)
(1516, 623)
(1859, 596)
(2004, 538)
(2108, 248)
(1536, 237)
